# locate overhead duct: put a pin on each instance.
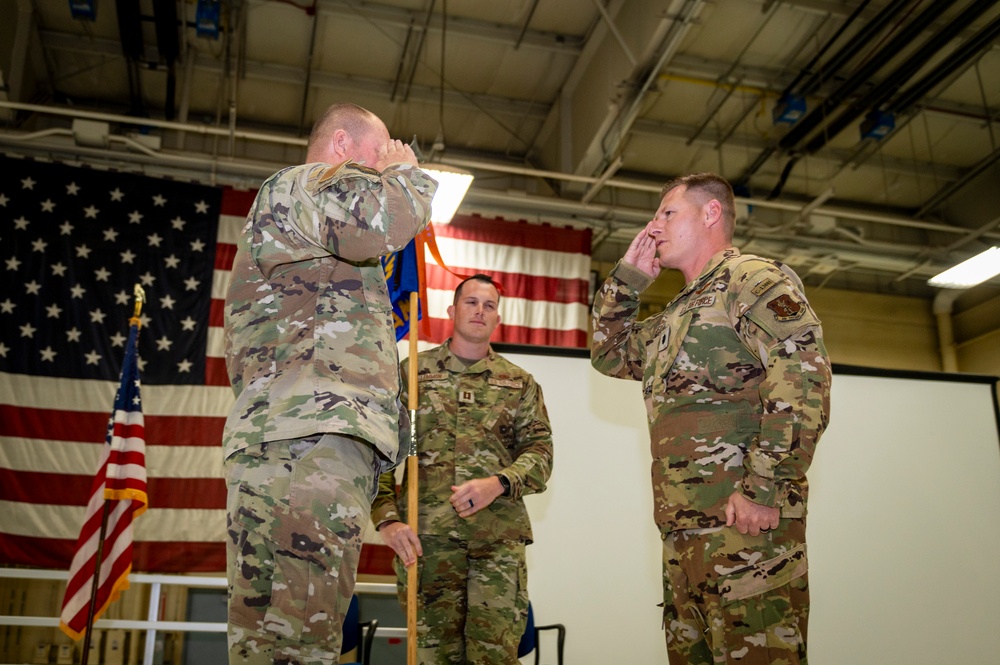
(864, 74)
(130, 33)
(821, 73)
(165, 13)
(895, 80)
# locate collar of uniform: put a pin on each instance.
(713, 264)
(452, 363)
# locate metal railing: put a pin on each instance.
(153, 622)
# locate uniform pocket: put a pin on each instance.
(762, 622)
(303, 554)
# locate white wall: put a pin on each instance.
(903, 529)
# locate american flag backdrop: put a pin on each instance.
(73, 241)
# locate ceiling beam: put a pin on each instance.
(510, 35)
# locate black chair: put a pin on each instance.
(529, 641)
(356, 635)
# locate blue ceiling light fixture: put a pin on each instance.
(877, 125)
(206, 18)
(789, 109)
(85, 10)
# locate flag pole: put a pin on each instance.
(411, 484)
(140, 297)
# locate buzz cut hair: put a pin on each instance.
(705, 187)
(479, 277)
(353, 119)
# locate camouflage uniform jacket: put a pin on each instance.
(736, 382)
(473, 422)
(310, 346)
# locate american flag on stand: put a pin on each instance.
(117, 496)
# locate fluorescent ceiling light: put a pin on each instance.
(970, 272)
(452, 185)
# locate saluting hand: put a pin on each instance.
(642, 254)
(394, 152)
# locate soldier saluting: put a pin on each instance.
(311, 354)
(736, 382)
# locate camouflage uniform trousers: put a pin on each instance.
(734, 598)
(296, 513)
(472, 600)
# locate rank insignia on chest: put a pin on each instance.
(466, 397)
(785, 308)
(664, 339)
(701, 301)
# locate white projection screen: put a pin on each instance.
(903, 532)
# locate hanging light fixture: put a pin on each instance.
(970, 272)
(453, 183)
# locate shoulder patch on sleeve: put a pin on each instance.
(786, 308)
(783, 312)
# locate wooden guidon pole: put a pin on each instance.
(411, 483)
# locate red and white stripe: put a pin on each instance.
(544, 272)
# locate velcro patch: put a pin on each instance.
(785, 308)
(507, 383)
(701, 301)
(762, 286)
(466, 397)
(432, 377)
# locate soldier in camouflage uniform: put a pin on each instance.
(312, 357)
(736, 382)
(484, 441)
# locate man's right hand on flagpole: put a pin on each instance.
(403, 541)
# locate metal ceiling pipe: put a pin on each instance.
(491, 167)
(165, 17)
(888, 86)
(130, 33)
(617, 130)
(863, 75)
(968, 50)
(944, 302)
(831, 68)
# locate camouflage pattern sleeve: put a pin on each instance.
(384, 507)
(532, 464)
(781, 328)
(357, 213)
(618, 347)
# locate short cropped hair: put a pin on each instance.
(479, 277)
(705, 187)
(353, 119)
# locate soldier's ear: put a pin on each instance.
(451, 312)
(713, 212)
(340, 142)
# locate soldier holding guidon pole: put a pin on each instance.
(484, 441)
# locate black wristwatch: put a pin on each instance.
(505, 483)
